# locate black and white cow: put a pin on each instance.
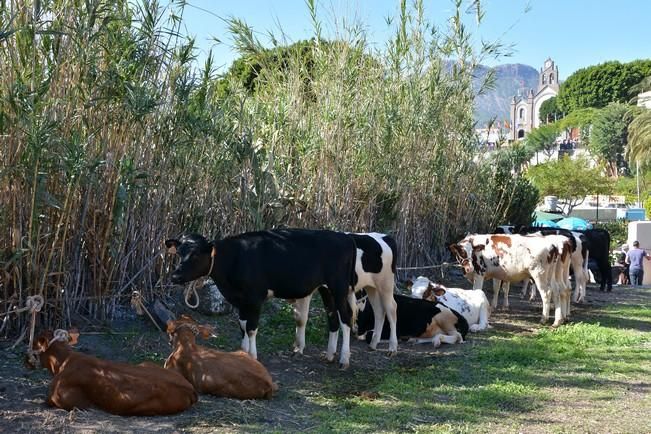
(418, 320)
(598, 242)
(285, 263)
(375, 268)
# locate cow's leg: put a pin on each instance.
(333, 322)
(585, 277)
(609, 275)
(543, 283)
(496, 292)
(391, 310)
(249, 318)
(451, 338)
(556, 288)
(378, 316)
(340, 294)
(301, 310)
(506, 287)
(483, 318)
(245, 337)
(525, 287)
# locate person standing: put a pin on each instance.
(635, 258)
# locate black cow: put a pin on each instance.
(598, 241)
(375, 269)
(285, 263)
(423, 320)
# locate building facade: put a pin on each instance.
(525, 109)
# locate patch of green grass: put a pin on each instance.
(504, 377)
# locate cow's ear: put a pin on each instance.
(171, 326)
(171, 246)
(206, 331)
(74, 336)
(439, 290)
(409, 283)
(453, 248)
(478, 247)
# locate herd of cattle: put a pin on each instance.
(355, 276)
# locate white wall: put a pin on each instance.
(641, 231)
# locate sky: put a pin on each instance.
(575, 33)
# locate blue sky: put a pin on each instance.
(575, 33)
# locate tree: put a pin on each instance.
(639, 139)
(581, 119)
(569, 179)
(599, 85)
(609, 136)
(543, 139)
(549, 111)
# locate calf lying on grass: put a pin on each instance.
(230, 375)
(419, 320)
(471, 303)
(83, 381)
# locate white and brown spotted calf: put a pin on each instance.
(471, 303)
(513, 258)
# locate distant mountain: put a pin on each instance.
(509, 80)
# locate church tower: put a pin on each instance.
(548, 76)
(525, 109)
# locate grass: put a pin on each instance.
(502, 380)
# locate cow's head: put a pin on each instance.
(39, 352)
(189, 323)
(196, 254)
(467, 252)
(433, 291)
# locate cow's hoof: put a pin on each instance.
(392, 353)
(297, 351)
(328, 358)
(543, 321)
(557, 323)
(343, 366)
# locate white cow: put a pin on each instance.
(472, 304)
(513, 258)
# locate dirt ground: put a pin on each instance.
(23, 391)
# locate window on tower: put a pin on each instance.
(522, 114)
(551, 78)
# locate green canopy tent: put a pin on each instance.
(542, 215)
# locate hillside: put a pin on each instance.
(509, 79)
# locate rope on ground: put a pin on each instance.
(138, 304)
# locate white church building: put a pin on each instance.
(525, 109)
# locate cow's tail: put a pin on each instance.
(352, 301)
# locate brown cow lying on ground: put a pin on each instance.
(231, 375)
(83, 381)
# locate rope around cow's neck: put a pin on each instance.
(191, 289)
(59, 335)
